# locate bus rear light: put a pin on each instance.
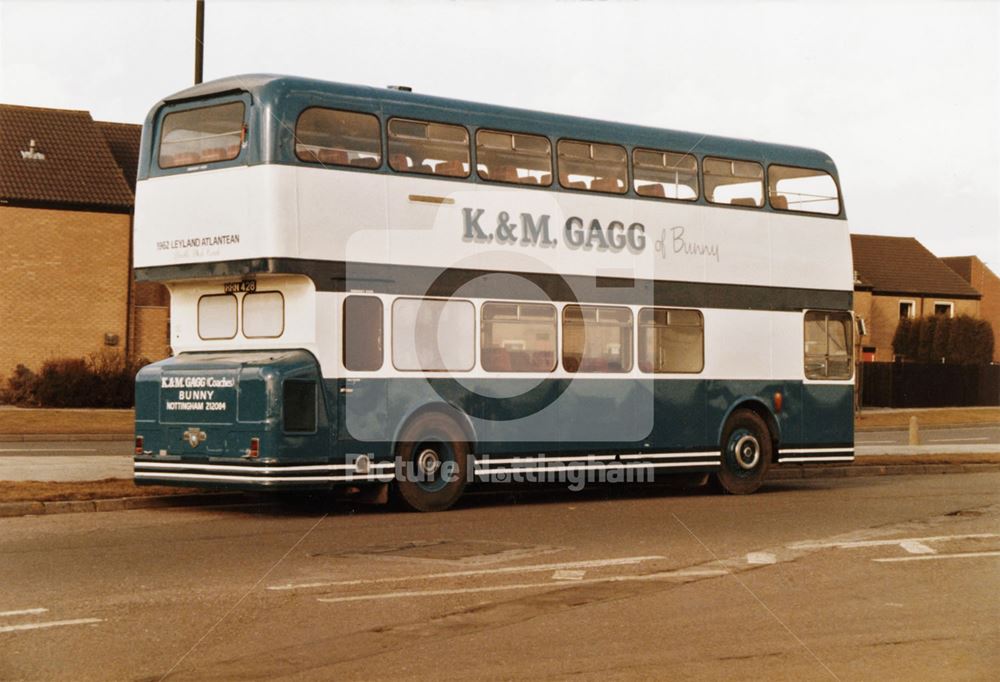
(138, 445)
(779, 400)
(254, 451)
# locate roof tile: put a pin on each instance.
(902, 265)
(78, 166)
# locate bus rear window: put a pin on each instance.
(202, 135)
(263, 315)
(217, 316)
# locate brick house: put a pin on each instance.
(898, 277)
(986, 282)
(67, 188)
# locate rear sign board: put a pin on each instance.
(195, 397)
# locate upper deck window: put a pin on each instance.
(667, 175)
(737, 183)
(592, 166)
(338, 138)
(802, 189)
(431, 148)
(513, 157)
(202, 135)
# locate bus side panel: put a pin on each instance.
(680, 412)
(828, 411)
(525, 416)
(725, 396)
(363, 417)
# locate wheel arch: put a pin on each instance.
(442, 408)
(758, 407)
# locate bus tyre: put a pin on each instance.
(432, 463)
(746, 453)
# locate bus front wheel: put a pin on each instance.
(746, 453)
(432, 455)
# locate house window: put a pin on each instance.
(906, 309)
(946, 308)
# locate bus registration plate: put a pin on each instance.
(247, 285)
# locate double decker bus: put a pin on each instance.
(373, 287)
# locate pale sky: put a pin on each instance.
(904, 96)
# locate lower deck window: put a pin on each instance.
(828, 345)
(432, 335)
(263, 314)
(299, 405)
(217, 316)
(597, 339)
(362, 333)
(518, 337)
(671, 340)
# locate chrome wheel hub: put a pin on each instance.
(428, 462)
(747, 451)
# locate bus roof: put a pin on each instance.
(272, 91)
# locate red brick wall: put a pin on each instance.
(64, 283)
(988, 284)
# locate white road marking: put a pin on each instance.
(496, 588)
(596, 563)
(956, 440)
(761, 558)
(883, 543)
(22, 612)
(924, 557)
(48, 449)
(699, 572)
(914, 547)
(568, 575)
(50, 624)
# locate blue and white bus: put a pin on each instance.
(373, 286)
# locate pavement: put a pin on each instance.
(869, 578)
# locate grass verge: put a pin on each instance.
(104, 489)
(58, 421)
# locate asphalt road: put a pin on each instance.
(865, 578)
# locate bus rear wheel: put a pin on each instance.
(432, 455)
(746, 453)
